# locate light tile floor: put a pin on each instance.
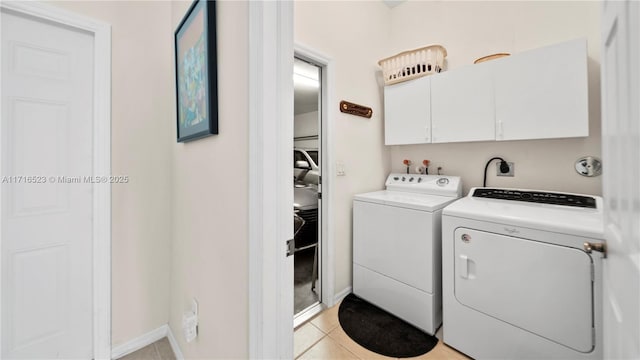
(159, 350)
(323, 338)
(320, 338)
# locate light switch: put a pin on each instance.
(340, 168)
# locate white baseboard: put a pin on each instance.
(174, 344)
(342, 294)
(139, 342)
(145, 340)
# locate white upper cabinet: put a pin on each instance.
(407, 112)
(462, 105)
(543, 93)
(538, 94)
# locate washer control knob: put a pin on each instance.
(419, 179)
(404, 178)
(442, 181)
(396, 178)
(411, 179)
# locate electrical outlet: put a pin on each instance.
(511, 169)
(190, 322)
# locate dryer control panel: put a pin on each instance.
(537, 197)
(425, 184)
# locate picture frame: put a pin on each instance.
(196, 72)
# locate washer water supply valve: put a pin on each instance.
(407, 163)
(426, 166)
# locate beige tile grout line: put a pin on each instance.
(314, 344)
(326, 334)
(342, 346)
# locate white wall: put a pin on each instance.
(209, 258)
(141, 123)
(472, 29)
(305, 124)
(355, 35)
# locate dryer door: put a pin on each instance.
(542, 288)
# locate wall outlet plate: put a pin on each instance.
(511, 169)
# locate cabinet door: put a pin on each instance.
(462, 105)
(542, 94)
(407, 112)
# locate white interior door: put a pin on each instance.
(46, 213)
(621, 189)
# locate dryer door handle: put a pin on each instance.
(463, 266)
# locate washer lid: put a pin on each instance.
(547, 217)
(406, 200)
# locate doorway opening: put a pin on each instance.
(307, 160)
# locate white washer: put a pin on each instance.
(517, 280)
(397, 243)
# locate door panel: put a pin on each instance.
(50, 120)
(47, 206)
(541, 288)
(40, 273)
(30, 59)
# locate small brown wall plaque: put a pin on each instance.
(355, 109)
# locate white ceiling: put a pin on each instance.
(306, 85)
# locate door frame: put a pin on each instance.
(327, 261)
(270, 286)
(101, 238)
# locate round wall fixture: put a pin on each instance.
(589, 166)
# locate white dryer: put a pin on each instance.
(518, 281)
(397, 246)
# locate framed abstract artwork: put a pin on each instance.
(196, 72)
